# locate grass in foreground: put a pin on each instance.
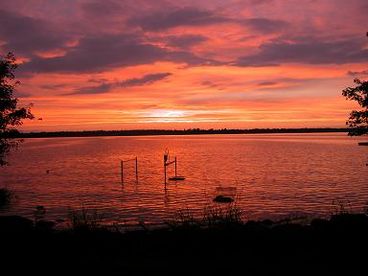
(84, 220)
(212, 216)
(208, 245)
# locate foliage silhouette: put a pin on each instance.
(358, 119)
(326, 246)
(5, 197)
(11, 115)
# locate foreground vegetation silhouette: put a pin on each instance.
(5, 197)
(219, 243)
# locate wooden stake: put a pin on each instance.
(165, 170)
(122, 171)
(176, 167)
(136, 169)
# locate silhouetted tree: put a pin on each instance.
(11, 115)
(358, 119)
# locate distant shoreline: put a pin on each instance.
(152, 132)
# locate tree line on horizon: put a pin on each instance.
(189, 131)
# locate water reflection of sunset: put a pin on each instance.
(272, 174)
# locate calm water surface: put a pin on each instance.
(274, 175)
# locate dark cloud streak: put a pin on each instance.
(184, 41)
(146, 79)
(311, 51)
(358, 73)
(105, 87)
(264, 25)
(180, 17)
(104, 52)
(267, 83)
(197, 17)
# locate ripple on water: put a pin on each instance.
(274, 175)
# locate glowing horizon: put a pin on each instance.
(88, 65)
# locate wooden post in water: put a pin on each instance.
(122, 168)
(165, 169)
(136, 169)
(176, 167)
(122, 171)
(166, 159)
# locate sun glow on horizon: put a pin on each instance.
(162, 115)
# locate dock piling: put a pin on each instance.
(122, 171)
(136, 169)
(122, 168)
(167, 162)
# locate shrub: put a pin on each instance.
(84, 219)
(230, 215)
(212, 216)
(184, 218)
(6, 197)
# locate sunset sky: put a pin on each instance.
(133, 64)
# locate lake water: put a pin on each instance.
(274, 175)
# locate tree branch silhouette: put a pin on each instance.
(11, 115)
(358, 119)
